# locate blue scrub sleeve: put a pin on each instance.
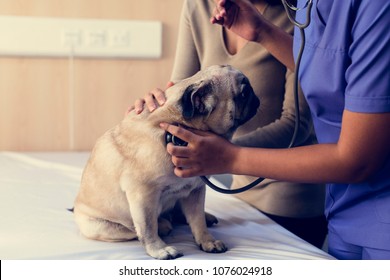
(368, 76)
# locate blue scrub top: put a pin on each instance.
(346, 65)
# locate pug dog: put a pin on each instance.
(128, 181)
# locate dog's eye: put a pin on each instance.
(244, 92)
(245, 88)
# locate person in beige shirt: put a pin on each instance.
(297, 207)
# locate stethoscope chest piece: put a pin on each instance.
(169, 138)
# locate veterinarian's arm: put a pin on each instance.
(241, 17)
(356, 157)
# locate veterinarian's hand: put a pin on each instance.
(240, 16)
(152, 100)
(205, 154)
(244, 19)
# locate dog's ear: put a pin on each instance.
(194, 98)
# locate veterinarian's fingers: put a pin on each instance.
(216, 20)
(201, 132)
(221, 8)
(184, 172)
(186, 168)
(222, 5)
(183, 162)
(178, 152)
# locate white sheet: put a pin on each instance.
(37, 188)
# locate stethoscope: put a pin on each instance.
(290, 10)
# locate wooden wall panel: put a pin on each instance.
(65, 104)
(33, 104)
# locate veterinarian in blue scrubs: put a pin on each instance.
(346, 66)
(345, 76)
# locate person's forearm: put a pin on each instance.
(309, 164)
(356, 157)
(362, 150)
(278, 42)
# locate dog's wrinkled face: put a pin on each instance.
(218, 99)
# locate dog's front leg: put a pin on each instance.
(193, 210)
(144, 209)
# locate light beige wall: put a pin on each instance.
(37, 112)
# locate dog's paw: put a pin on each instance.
(166, 253)
(215, 246)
